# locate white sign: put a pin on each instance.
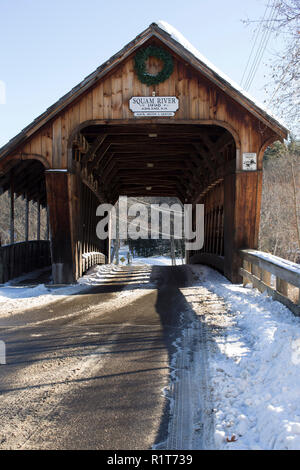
(154, 105)
(249, 161)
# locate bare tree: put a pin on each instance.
(283, 91)
(280, 214)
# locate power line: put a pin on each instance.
(260, 53)
(262, 44)
(254, 43)
(261, 49)
(278, 87)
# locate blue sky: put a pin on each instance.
(48, 47)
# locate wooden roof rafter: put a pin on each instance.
(186, 155)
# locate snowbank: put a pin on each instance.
(254, 361)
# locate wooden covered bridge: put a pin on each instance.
(194, 135)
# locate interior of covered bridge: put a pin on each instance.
(186, 161)
(153, 160)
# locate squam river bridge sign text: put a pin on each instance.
(143, 106)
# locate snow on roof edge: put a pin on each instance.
(177, 36)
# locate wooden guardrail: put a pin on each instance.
(279, 277)
(23, 257)
(90, 259)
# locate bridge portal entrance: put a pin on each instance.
(156, 119)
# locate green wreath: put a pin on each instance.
(140, 65)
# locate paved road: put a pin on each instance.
(88, 372)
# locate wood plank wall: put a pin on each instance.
(108, 99)
(108, 102)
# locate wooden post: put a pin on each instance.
(108, 242)
(229, 222)
(256, 271)
(38, 221)
(172, 251)
(26, 218)
(266, 277)
(12, 210)
(241, 218)
(47, 224)
(282, 286)
(59, 203)
(248, 267)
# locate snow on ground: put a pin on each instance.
(15, 298)
(156, 260)
(254, 364)
(252, 349)
(152, 260)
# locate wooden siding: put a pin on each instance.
(61, 143)
(108, 100)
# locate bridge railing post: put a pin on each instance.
(282, 286)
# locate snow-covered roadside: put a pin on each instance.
(246, 358)
(254, 364)
(14, 298)
(17, 298)
(155, 261)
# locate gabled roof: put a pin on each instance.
(178, 37)
(176, 42)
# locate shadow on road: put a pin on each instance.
(135, 337)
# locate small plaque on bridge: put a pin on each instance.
(249, 161)
(143, 106)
